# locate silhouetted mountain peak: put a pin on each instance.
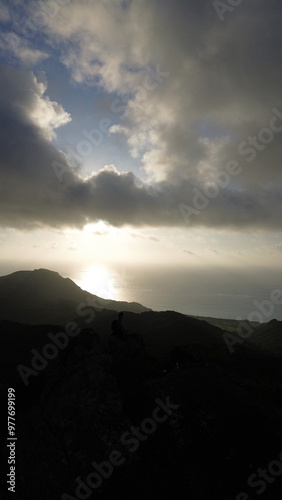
(44, 296)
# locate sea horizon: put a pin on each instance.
(194, 296)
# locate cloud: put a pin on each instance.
(222, 81)
(4, 13)
(20, 49)
(144, 237)
(33, 196)
(219, 87)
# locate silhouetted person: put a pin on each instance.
(117, 327)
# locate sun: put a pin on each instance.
(97, 280)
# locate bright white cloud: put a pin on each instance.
(45, 114)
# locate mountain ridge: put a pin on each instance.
(79, 395)
(43, 296)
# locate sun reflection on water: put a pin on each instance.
(99, 281)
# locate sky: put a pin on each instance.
(141, 148)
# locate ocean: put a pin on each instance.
(217, 293)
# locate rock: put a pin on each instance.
(78, 419)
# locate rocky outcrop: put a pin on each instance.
(78, 419)
(225, 423)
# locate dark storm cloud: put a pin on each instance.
(215, 106)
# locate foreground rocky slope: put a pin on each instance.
(187, 420)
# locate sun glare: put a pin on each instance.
(97, 280)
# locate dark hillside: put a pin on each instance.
(84, 395)
(269, 336)
(42, 296)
